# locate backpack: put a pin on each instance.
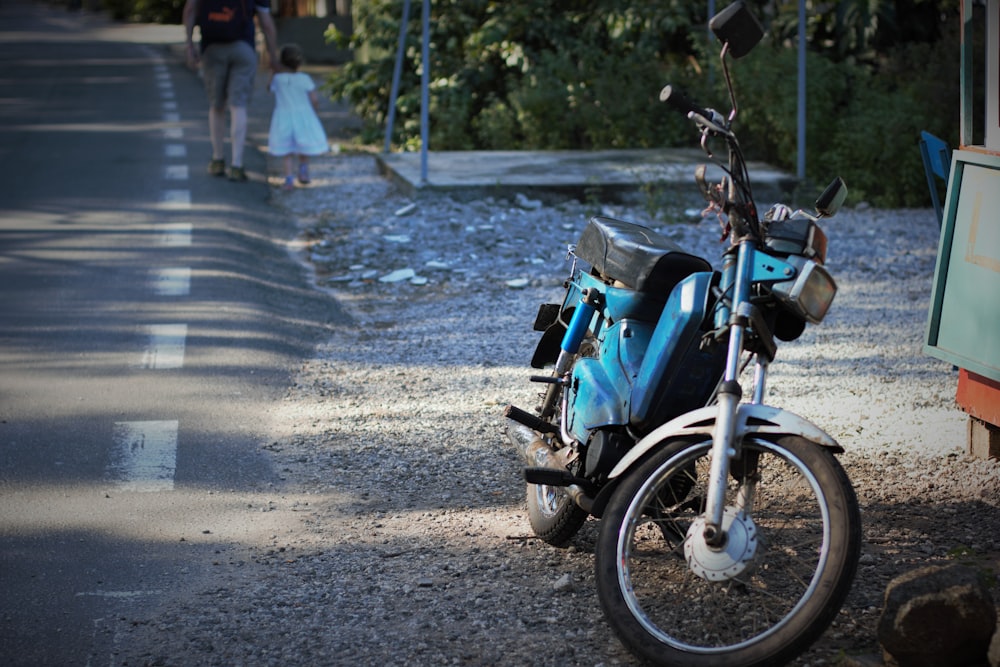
(223, 20)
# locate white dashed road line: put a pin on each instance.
(174, 234)
(176, 200)
(144, 455)
(172, 281)
(165, 350)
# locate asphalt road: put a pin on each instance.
(149, 319)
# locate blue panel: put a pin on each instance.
(675, 370)
(604, 384)
(596, 401)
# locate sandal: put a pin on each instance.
(237, 174)
(217, 168)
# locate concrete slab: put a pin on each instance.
(607, 174)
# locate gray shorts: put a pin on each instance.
(229, 70)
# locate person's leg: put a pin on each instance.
(242, 75)
(290, 172)
(216, 130)
(304, 169)
(214, 69)
(238, 133)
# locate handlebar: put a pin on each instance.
(734, 197)
(680, 102)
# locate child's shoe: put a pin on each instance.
(304, 174)
(289, 183)
(217, 168)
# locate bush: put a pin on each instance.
(146, 11)
(861, 125)
(585, 75)
(522, 75)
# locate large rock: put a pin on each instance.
(937, 617)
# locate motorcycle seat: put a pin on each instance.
(636, 256)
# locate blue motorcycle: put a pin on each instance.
(729, 533)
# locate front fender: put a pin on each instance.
(751, 419)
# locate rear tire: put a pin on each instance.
(553, 515)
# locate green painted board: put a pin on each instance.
(964, 321)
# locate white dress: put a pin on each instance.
(295, 128)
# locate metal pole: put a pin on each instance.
(801, 168)
(709, 61)
(424, 84)
(396, 73)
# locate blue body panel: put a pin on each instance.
(638, 360)
(676, 374)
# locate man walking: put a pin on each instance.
(229, 67)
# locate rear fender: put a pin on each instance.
(763, 421)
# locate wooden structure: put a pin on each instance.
(964, 321)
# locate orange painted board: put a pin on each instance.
(979, 396)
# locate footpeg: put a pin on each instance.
(549, 477)
(533, 422)
(549, 379)
(579, 489)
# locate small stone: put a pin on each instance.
(563, 584)
(527, 204)
(518, 283)
(399, 275)
(406, 210)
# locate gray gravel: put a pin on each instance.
(404, 535)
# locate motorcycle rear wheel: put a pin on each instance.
(801, 538)
(553, 515)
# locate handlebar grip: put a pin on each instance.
(678, 101)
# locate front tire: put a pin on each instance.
(801, 535)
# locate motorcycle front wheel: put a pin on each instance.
(793, 543)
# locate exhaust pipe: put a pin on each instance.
(536, 454)
(533, 450)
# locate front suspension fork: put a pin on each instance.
(725, 442)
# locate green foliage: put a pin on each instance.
(766, 83)
(525, 74)
(553, 74)
(861, 124)
(875, 146)
(146, 11)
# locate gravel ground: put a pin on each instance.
(405, 537)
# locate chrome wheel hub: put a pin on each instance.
(732, 558)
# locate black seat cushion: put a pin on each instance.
(636, 256)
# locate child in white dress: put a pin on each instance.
(295, 128)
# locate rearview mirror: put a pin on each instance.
(832, 198)
(738, 27)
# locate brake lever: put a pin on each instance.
(716, 123)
